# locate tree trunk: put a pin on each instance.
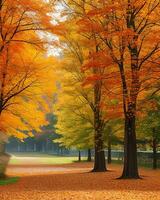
(99, 157)
(99, 160)
(35, 147)
(18, 147)
(61, 151)
(154, 151)
(4, 158)
(89, 159)
(130, 170)
(109, 157)
(79, 156)
(43, 147)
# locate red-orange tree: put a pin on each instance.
(128, 31)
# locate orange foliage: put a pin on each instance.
(24, 67)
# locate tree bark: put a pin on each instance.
(109, 157)
(35, 147)
(99, 157)
(154, 151)
(89, 159)
(130, 170)
(154, 155)
(99, 161)
(79, 156)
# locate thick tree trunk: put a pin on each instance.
(154, 153)
(109, 157)
(130, 170)
(89, 159)
(99, 157)
(79, 156)
(99, 163)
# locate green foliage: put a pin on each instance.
(149, 126)
(9, 180)
(48, 131)
(75, 132)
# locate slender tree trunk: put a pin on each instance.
(61, 151)
(109, 157)
(89, 159)
(154, 155)
(35, 147)
(130, 169)
(154, 151)
(43, 146)
(79, 156)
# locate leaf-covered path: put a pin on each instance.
(73, 182)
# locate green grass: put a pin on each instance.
(41, 159)
(10, 180)
(46, 159)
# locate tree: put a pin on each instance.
(149, 126)
(76, 131)
(48, 133)
(20, 77)
(127, 35)
(19, 19)
(81, 51)
(23, 69)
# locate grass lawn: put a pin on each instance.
(40, 159)
(47, 159)
(8, 180)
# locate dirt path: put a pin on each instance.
(32, 170)
(73, 182)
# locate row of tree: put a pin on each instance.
(110, 76)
